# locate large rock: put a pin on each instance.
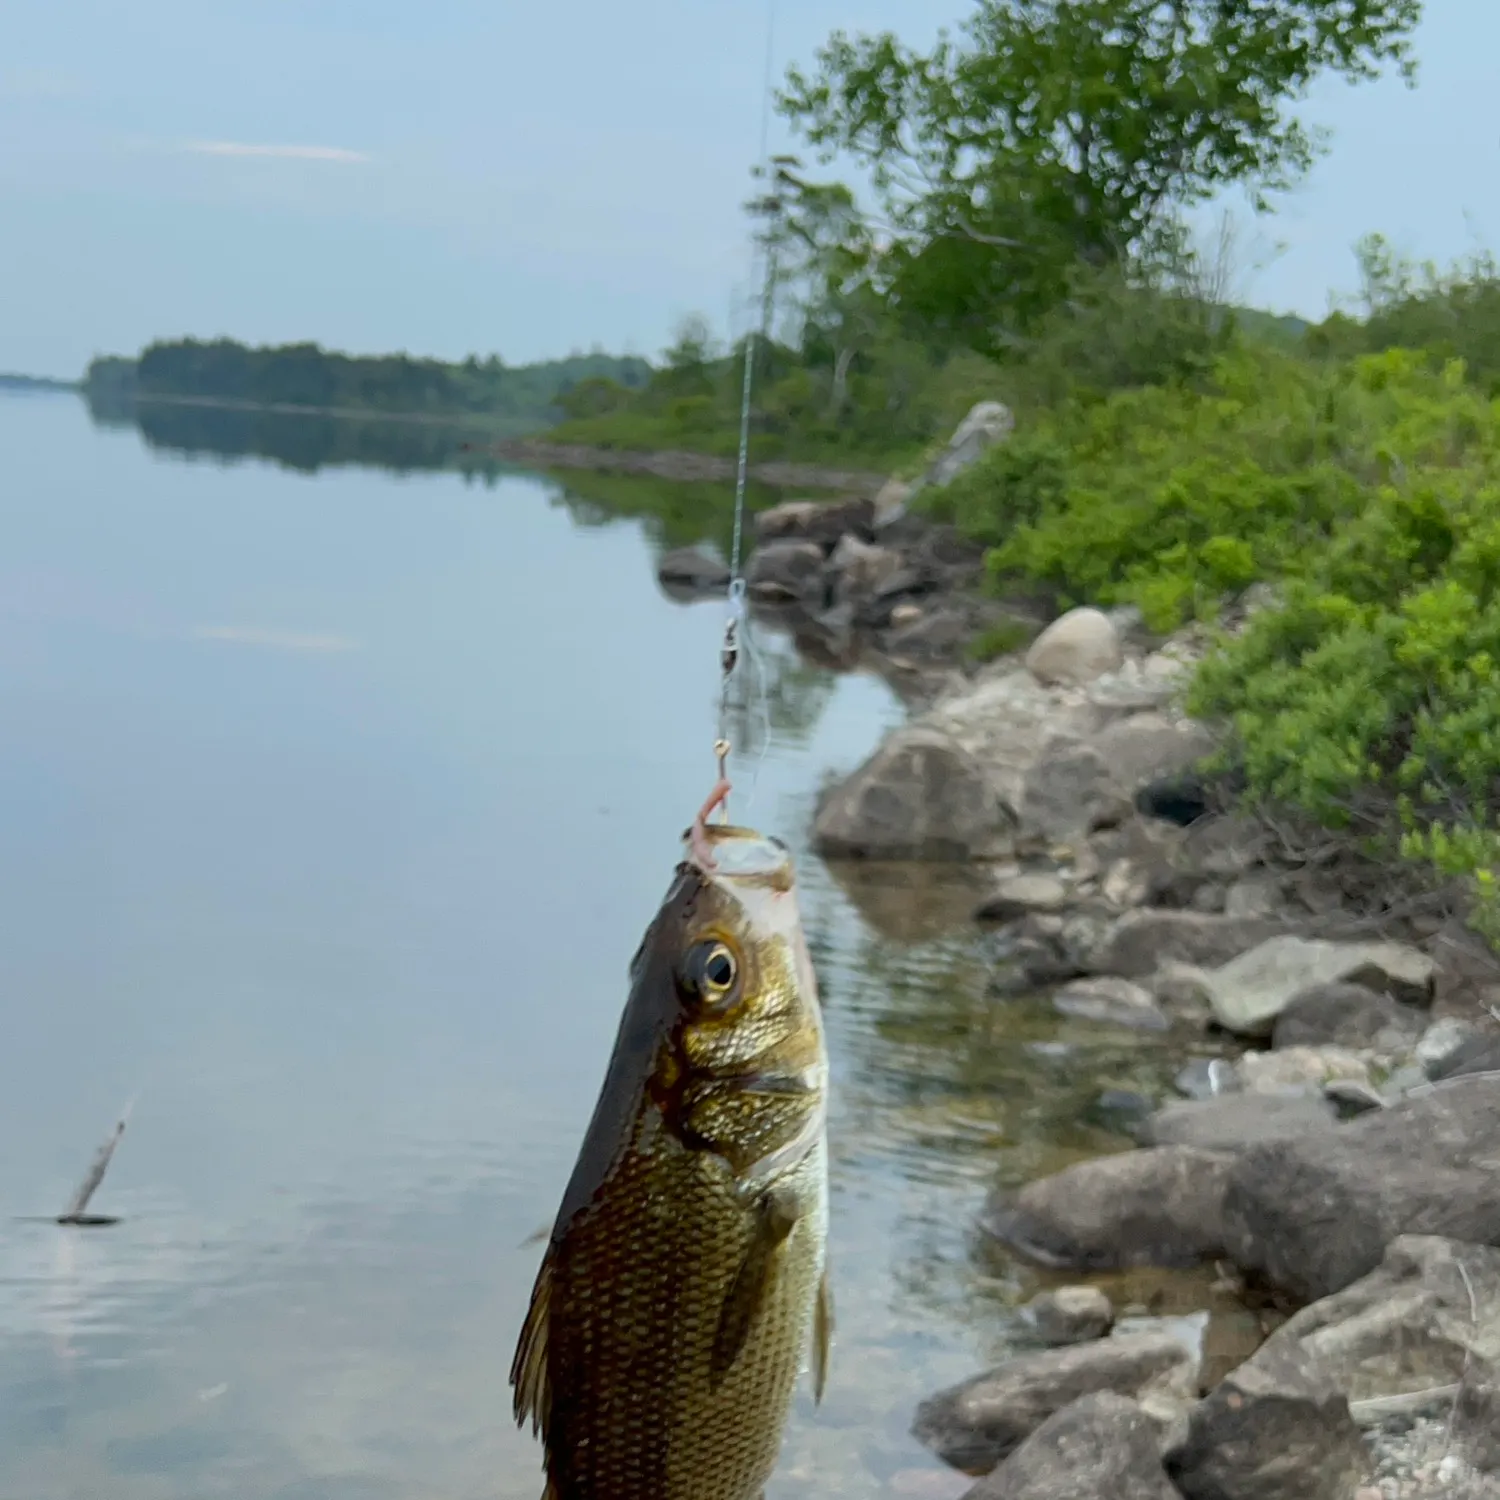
(860, 570)
(1416, 1322)
(1476, 1416)
(1235, 1122)
(689, 571)
(977, 1424)
(1162, 1207)
(988, 423)
(1346, 1015)
(1315, 1214)
(1101, 1447)
(1475, 1054)
(1140, 942)
(919, 796)
(786, 570)
(1275, 1429)
(1145, 747)
(820, 521)
(1008, 722)
(1071, 1315)
(1067, 793)
(1075, 649)
(1251, 991)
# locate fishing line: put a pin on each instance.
(737, 626)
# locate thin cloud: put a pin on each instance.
(281, 153)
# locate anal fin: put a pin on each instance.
(823, 1325)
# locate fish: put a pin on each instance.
(685, 1285)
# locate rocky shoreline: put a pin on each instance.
(1338, 1159)
(1334, 1149)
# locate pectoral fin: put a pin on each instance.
(822, 1335)
(528, 1370)
(776, 1217)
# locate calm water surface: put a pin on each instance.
(333, 807)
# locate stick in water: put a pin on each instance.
(75, 1211)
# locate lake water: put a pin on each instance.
(334, 802)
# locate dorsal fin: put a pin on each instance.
(528, 1370)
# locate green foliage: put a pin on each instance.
(306, 376)
(1057, 132)
(1450, 314)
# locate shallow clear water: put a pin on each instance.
(333, 807)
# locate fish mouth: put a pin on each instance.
(740, 856)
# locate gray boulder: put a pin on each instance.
(1140, 942)
(1275, 1429)
(1250, 992)
(1316, 1213)
(1416, 1322)
(1161, 1207)
(1101, 1447)
(975, 1425)
(1235, 1122)
(689, 571)
(788, 569)
(822, 522)
(1476, 1417)
(1142, 748)
(1071, 1315)
(860, 570)
(919, 796)
(1075, 649)
(1346, 1015)
(987, 423)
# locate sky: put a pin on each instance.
(531, 179)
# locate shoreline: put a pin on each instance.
(682, 466)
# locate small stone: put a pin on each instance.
(1072, 1315)
(905, 614)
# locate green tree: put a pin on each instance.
(1058, 131)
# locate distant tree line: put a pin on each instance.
(306, 375)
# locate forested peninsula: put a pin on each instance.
(307, 377)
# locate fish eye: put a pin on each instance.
(712, 969)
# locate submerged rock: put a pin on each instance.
(977, 1424)
(692, 570)
(1114, 1002)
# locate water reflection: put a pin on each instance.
(333, 813)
